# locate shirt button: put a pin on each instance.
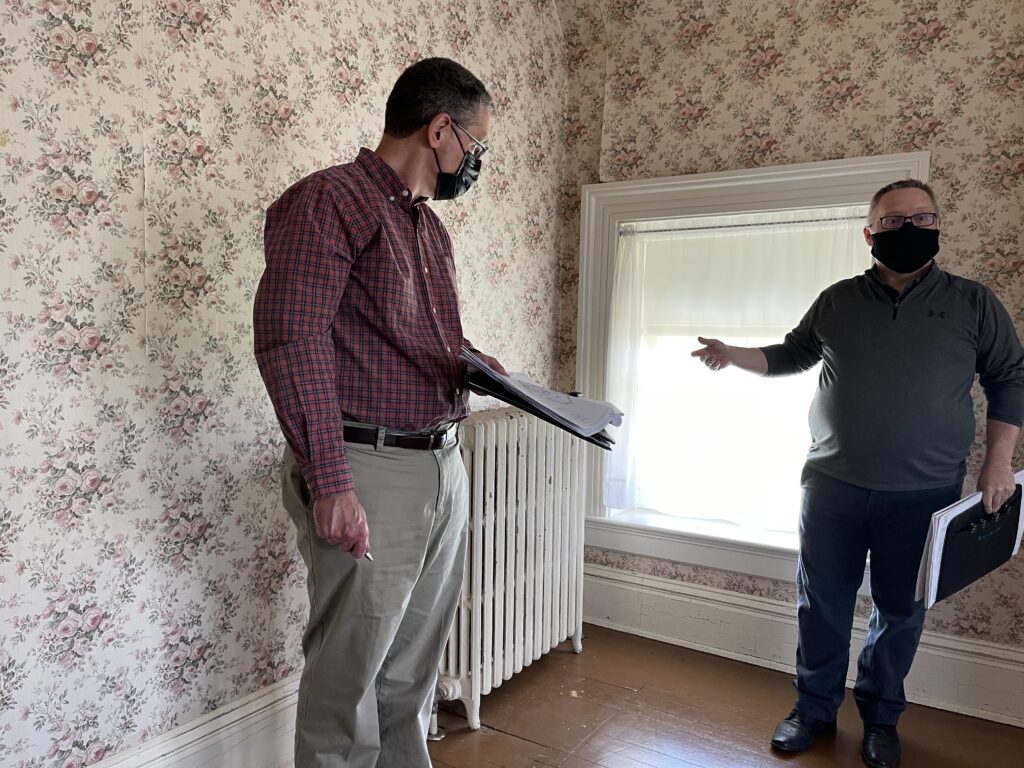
(426, 270)
(435, 310)
(458, 391)
(448, 349)
(405, 193)
(391, 198)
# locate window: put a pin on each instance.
(719, 452)
(681, 202)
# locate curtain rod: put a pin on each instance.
(739, 226)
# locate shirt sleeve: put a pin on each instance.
(308, 260)
(1000, 362)
(800, 350)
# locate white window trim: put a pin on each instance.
(607, 206)
(692, 548)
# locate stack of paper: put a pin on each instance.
(931, 560)
(577, 415)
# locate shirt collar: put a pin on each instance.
(931, 272)
(385, 177)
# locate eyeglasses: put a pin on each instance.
(479, 149)
(918, 220)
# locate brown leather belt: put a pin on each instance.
(379, 437)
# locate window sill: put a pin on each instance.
(712, 545)
(703, 543)
(709, 529)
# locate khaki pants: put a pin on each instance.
(377, 629)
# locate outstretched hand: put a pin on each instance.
(715, 354)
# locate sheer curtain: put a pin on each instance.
(625, 336)
(724, 446)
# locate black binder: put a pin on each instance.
(977, 543)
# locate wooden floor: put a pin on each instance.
(629, 702)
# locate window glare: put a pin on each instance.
(719, 445)
(718, 449)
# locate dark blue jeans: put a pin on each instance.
(839, 524)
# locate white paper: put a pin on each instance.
(588, 417)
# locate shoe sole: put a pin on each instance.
(790, 750)
(873, 764)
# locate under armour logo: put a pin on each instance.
(933, 313)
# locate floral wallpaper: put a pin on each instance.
(147, 572)
(696, 86)
(583, 28)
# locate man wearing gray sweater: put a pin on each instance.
(891, 425)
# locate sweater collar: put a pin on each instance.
(929, 276)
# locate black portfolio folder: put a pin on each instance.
(977, 543)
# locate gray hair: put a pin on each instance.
(901, 184)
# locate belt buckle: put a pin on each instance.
(381, 434)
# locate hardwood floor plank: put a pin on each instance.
(629, 702)
(490, 748)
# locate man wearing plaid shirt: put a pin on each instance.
(357, 336)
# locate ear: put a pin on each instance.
(436, 127)
(867, 237)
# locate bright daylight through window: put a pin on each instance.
(717, 453)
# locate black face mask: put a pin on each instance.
(451, 185)
(906, 249)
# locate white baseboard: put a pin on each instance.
(257, 731)
(972, 677)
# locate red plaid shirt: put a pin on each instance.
(356, 316)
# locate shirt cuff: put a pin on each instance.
(1006, 416)
(328, 476)
(780, 362)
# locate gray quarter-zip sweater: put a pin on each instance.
(893, 409)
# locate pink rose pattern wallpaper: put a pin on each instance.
(583, 29)
(696, 86)
(147, 572)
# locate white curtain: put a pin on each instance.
(624, 340)
(724, 446)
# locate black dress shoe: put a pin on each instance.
(881, 746)
(798, 731)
